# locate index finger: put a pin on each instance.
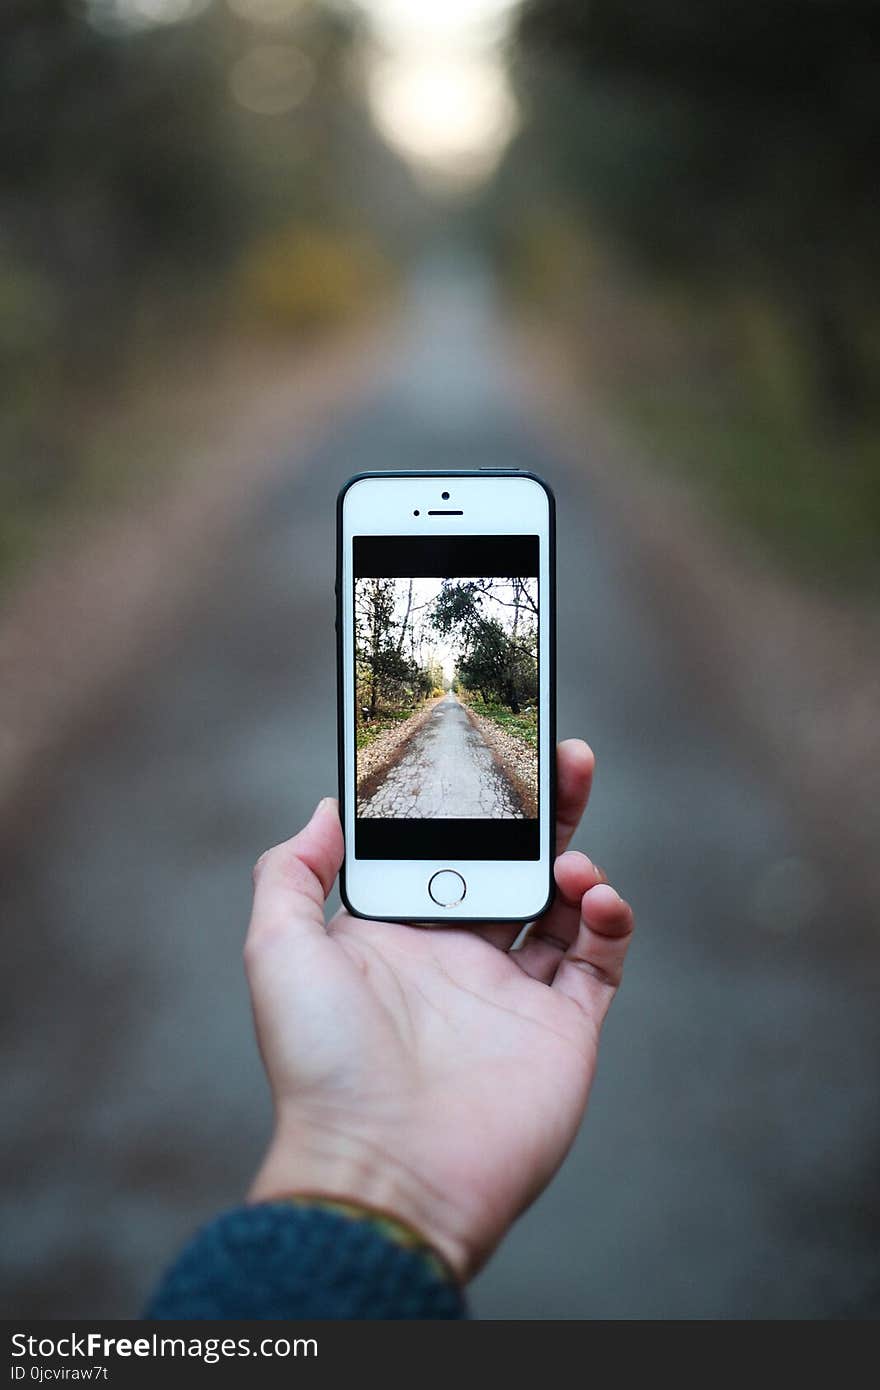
(575, 764)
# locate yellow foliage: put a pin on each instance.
(307, 276)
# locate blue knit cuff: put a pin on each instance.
(279, 1260)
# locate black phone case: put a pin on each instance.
(340, 704)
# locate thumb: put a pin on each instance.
(292, 880)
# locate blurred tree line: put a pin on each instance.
(724, 154)
(161, 180)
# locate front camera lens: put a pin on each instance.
(416, 512)
(445, 496)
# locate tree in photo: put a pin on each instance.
(495, 623)
(396, 668)
(379, 658)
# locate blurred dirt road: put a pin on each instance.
(728, 1167)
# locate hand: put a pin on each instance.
(429, 1072)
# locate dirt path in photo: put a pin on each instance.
(448, 769)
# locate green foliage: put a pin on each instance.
(721, 140)
(500, 664)
(523, 726)
(488, 663)
(367, 733)
(819, 515)
(386, 678)
(706, 175)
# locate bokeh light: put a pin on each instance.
(451, 117)
(271, 79)
(141, 14)
(268, 12)
(438, 87)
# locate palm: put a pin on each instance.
(441, 1037)
(458, 1015)
(436, 1051)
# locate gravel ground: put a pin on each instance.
(518, 759)
(379, 756)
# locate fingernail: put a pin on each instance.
(603, 892)
(579, 855)
(323, 804)
(599, 874)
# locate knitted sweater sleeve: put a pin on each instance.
(304, 1261)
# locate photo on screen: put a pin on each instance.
(446, 698)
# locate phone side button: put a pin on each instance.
(447, 888)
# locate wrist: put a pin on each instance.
(324, 1161)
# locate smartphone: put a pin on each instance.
(445, 627)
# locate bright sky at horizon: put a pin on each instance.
(438, 85)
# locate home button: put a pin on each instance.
(447, 888)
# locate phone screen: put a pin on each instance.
(446, 703)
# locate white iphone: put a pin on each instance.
(446, 695)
